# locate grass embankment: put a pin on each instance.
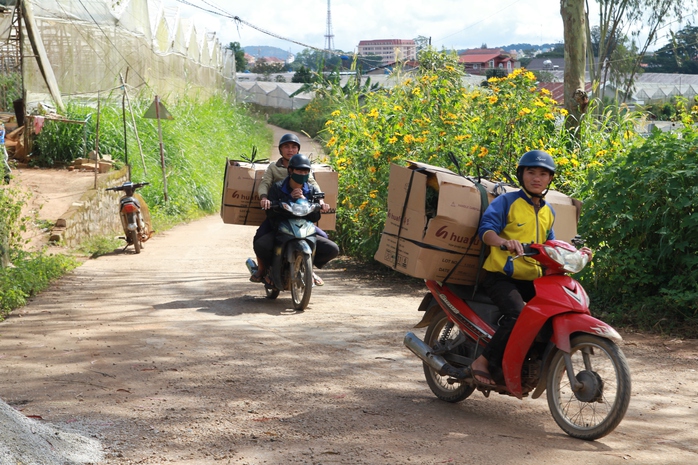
(196, 143)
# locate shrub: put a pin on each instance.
(641, 217)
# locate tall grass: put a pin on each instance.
(196, 143)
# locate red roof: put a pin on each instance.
(477, 58)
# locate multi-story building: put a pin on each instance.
(391, 50)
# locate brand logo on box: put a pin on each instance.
(244, 195)
(445, 233)
(397, 218)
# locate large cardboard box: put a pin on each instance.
(422, 261)
(240, 202)
(433, 211)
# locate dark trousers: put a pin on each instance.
(325, 249)
(510, 295)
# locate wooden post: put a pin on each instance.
(162, 148)
(96, 151)
(135, 128)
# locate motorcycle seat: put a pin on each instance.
(470, 294)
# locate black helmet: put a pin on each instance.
(299, 161)
(286, 138)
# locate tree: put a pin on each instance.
(575, 28)
(303, 75)
(422, 42)
(619, 19)
(240, 61)
(558, 51)
(680, 55)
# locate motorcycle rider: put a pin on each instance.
(289, 145)
(295, 186)
(511, 219)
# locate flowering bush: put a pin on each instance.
(432, 117)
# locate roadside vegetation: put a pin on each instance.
(638, 191)
(196, 143)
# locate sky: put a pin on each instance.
(451, 24)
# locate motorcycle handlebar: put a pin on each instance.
(134, 186)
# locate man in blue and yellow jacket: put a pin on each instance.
(510, 220)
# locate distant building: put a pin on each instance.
(479, 60)
(546, 64)
(391, 50)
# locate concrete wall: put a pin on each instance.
(95, 214)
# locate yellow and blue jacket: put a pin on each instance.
(513, 216)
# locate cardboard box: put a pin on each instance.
(240, 202)
(434, 211)
(424, 262)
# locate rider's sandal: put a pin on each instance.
(257, 278)
(317, 280)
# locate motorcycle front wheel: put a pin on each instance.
(301, 280)
(135, 240)
(600, 404)
(453, 391)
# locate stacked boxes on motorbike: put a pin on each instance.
(433, 214)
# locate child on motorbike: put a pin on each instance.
(295, 186)
(510, 220)
(289, 145)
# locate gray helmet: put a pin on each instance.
(299, 161)
(286, 138)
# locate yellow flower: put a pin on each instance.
(549, 116)
(336, 113)
(493, 99)
(328, 122)
(538, 103)
(416, 91)
(392, 140)
(397, 108)
(530, 75)
(372, 194)
(372, 169)
(376, 154)
(332, 141)
(408, 139)
(352, 116)
(563, 112)
(483, 152)
(373, 113)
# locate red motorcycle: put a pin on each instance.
(556, 345)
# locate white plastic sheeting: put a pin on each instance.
(90, 43)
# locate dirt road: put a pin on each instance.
(173, 356)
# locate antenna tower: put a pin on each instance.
(329, 37)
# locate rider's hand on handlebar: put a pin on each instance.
(587, 251)
(512, 246)
(325, 206)
(265, 203)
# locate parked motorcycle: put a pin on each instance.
(556, 345)
(294, 246)
(136, 229)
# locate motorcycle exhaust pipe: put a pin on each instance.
(423, 351)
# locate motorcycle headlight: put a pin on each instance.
(301, 207)
(570, 261)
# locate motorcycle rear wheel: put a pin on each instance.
(301, 280)
(600, 405)
(439, 385)
(135, 240)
